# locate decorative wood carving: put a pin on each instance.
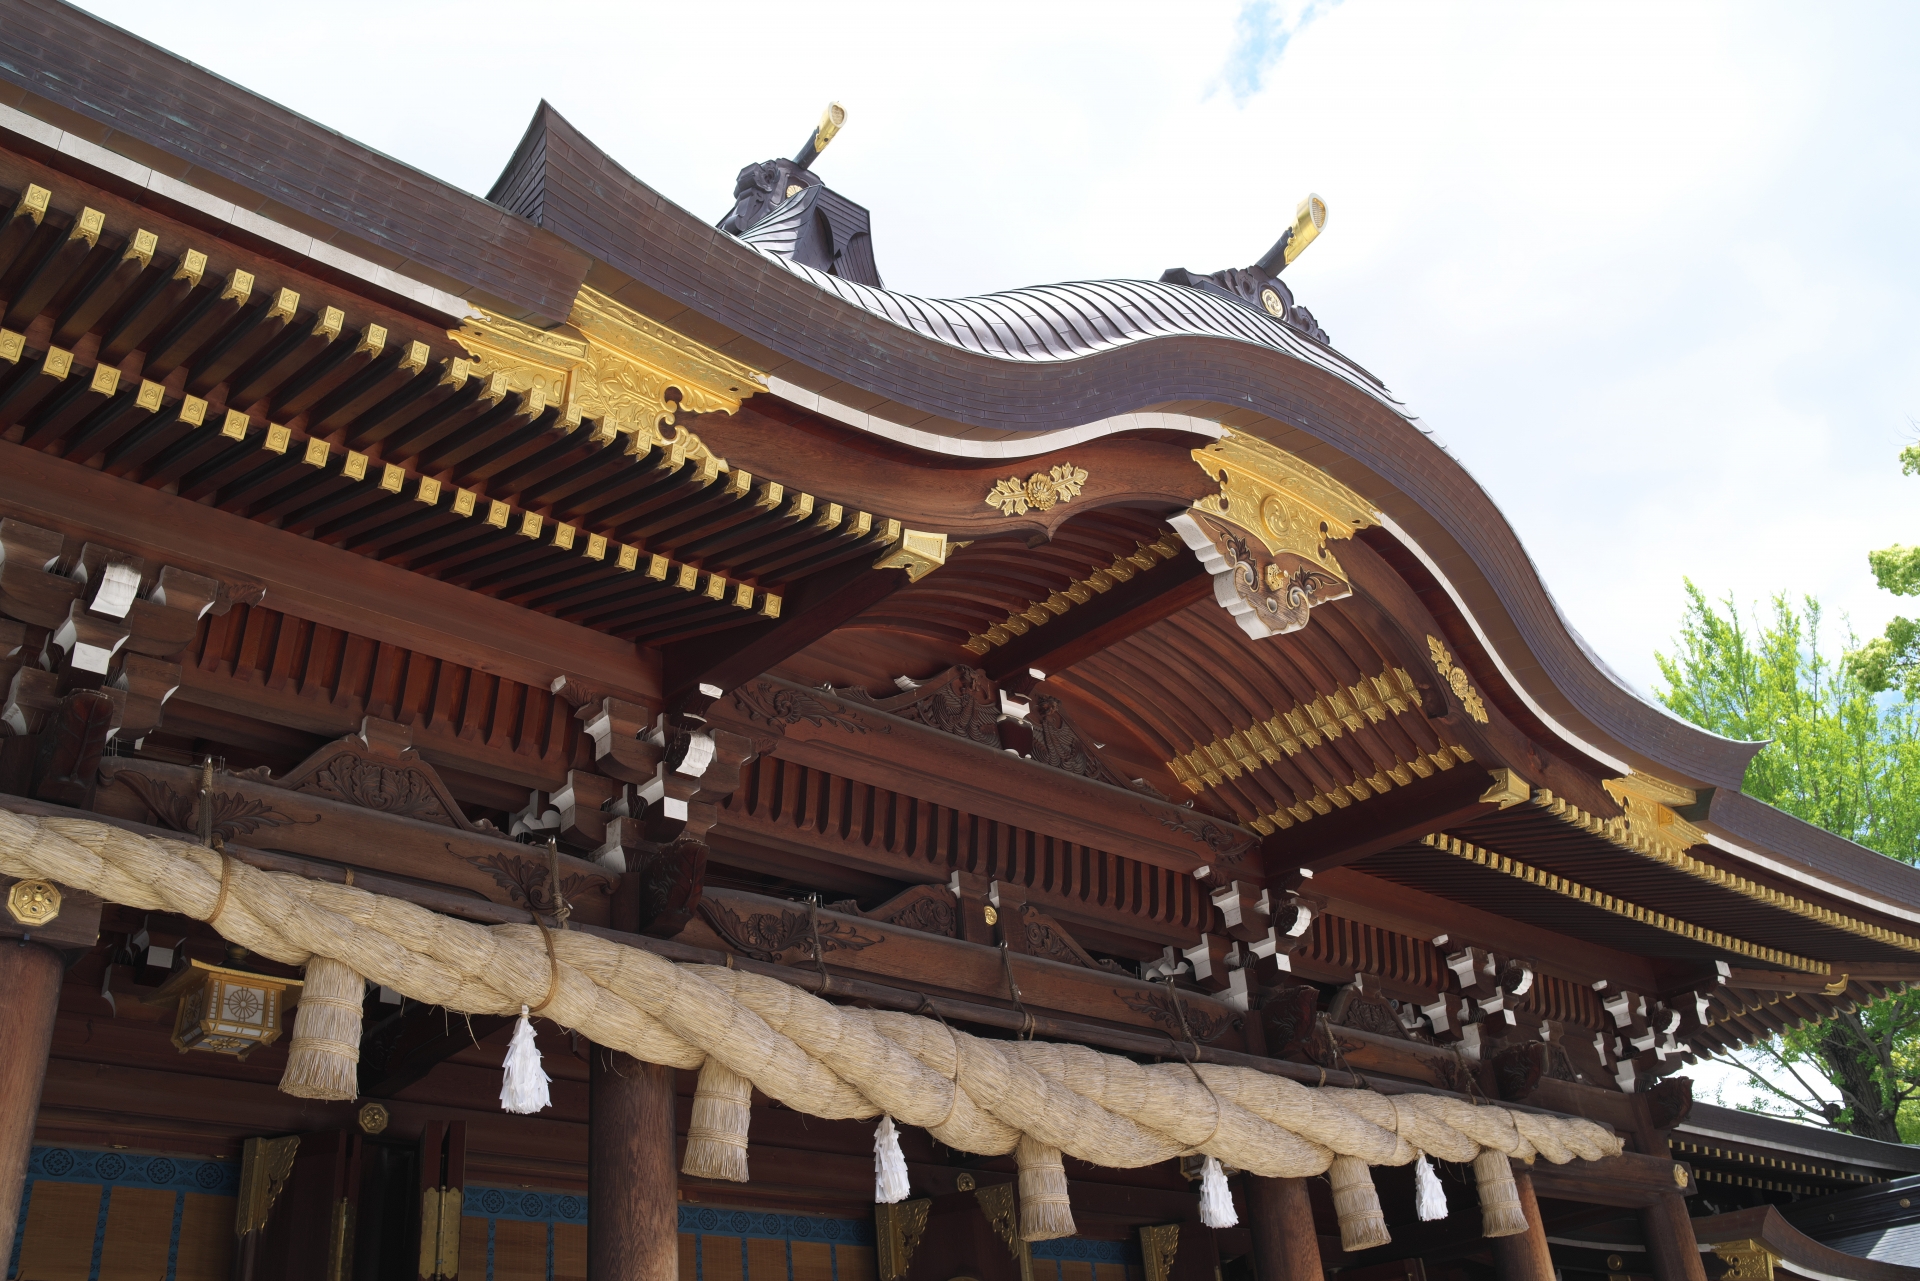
(1042, 936)
(378, 769)
(921, 761)
(1228, 845)
(778, 706)
(960, 701)
(1057, 743)
(178, 804)
(670, 884)
(252, 809)
(1188, 1017)
(527, 880)
(927, 908)
(1062, 483)
(1360, 1005)
(766, 935)
(1290, 1017)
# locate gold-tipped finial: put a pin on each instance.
(1308, 219)
(823, 133)
(1307, 222)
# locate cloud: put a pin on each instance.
(1260, 36)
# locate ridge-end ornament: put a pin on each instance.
(33, 903)
(1039, 492)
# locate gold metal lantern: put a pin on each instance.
(224, 1010)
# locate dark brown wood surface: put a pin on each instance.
(1524, 1256)
(821, 730)
(318, 583)
(632, 1179)
(1286, 1246)
(29, 1003)
(1672, 1245)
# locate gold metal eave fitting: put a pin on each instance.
(1560, 885)
(615, 367)
(918, 553)
(1652, 830)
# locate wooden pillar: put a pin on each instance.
(29, 998)
(633, 1187)
(1286, 1246)
(1672, 1248)
(1524, 1256)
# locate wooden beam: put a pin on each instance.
(316, 582)
(1447, 799)
(1524, 1256)
(1671, 1245)
(813, 608)
(410, 1043)
(1286, 1246)
(1099, 624)
(632, 1183)
(814, 728)
(29, 1001)
(1374, 901)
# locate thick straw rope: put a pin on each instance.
(979, 1096)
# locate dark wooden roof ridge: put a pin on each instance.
(1705, 1120)
(152, 105)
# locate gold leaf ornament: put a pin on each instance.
(1038, 492)
(1456, 680)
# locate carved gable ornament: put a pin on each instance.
(614, 367)
(379, 769)
(1266, 536)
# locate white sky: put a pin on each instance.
(1649, 269)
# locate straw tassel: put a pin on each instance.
(523, 1086)
(1216, 1202)
(323, 1061)
(1045, 1212)
(890, 1186)
(1429, 1198)
(1500, 1212)
(717, 1135)
(1357, 1203)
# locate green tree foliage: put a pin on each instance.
(1894, 659)
(1844, 757)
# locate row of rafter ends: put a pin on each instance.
(353, 465)
(1560, 885)
(1688, 1148)
(1617, 831)
(1307, 725)
(1038, 613)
